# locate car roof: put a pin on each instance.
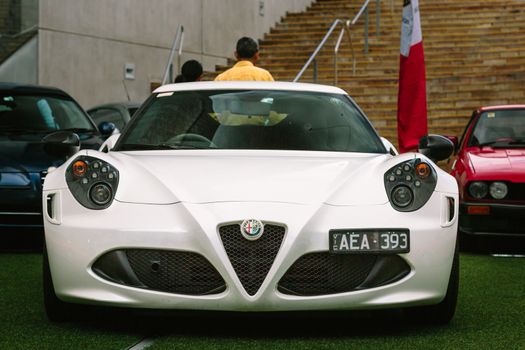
(492, 108)
(31, 89)
(249, 85)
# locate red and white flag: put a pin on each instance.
(412, 96)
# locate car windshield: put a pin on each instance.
(499, 128)
(28, 113)
(260, 119)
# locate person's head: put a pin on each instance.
(247, 49)
(190, 71)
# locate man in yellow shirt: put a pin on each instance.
(247, 54)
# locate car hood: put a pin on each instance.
(200, 176)
(255, 177)
(505, 164)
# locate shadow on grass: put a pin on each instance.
(256, 325)
(488, 245)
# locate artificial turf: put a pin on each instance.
(490, 315)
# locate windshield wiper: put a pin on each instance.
(182, 145)
(77, 130)
(517, 142)
(162, 146)
(483, 144)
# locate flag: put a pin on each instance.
(412, 99)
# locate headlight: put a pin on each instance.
(498, 190)
(92, 182)
(478, 189)
(410, 184)
(402, 196)
(100, 193)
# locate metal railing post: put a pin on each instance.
(176, 43)
(346, 26)
(315, 71)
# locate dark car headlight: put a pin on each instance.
(93, 182)
(478, 189)
(481, 190)
(498, 190)
(410, 184)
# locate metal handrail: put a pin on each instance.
(177, 46)
(19, 34)
(346, 27)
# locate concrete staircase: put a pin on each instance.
(474, 53)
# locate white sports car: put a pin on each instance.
(252, 196)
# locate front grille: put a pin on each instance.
(516, 191)
(252, 260)
(161, 270)
(323, 273)
(492, 224)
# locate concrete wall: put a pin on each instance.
(84, 45)
(21, 67)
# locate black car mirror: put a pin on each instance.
(61, 143)
(107, 128)
(436, 147)
(455, 142)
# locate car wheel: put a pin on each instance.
(56, 309)
(442, 313)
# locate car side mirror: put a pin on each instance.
(436, 147)
(61, 143)
(455, 142)
(107, 128)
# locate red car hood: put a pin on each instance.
(506, 164)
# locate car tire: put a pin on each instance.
(56, 309)
(442, 313)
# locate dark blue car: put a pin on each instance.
(39, 128)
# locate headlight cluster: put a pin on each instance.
(410, 184)
(480, 189)
(92, 182)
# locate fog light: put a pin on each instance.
(100, 193)
(478, 189)
(402, 196)
(498, 190)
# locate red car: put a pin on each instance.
(490, 170)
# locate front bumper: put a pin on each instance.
(76, 239)
(503, 220)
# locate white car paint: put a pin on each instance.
(177, 200)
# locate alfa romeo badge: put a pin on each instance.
(252, 229)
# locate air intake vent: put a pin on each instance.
(161, 270)
(252, 260)
(323, 273)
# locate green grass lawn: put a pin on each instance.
(490, 315)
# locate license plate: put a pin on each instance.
(369, 241)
